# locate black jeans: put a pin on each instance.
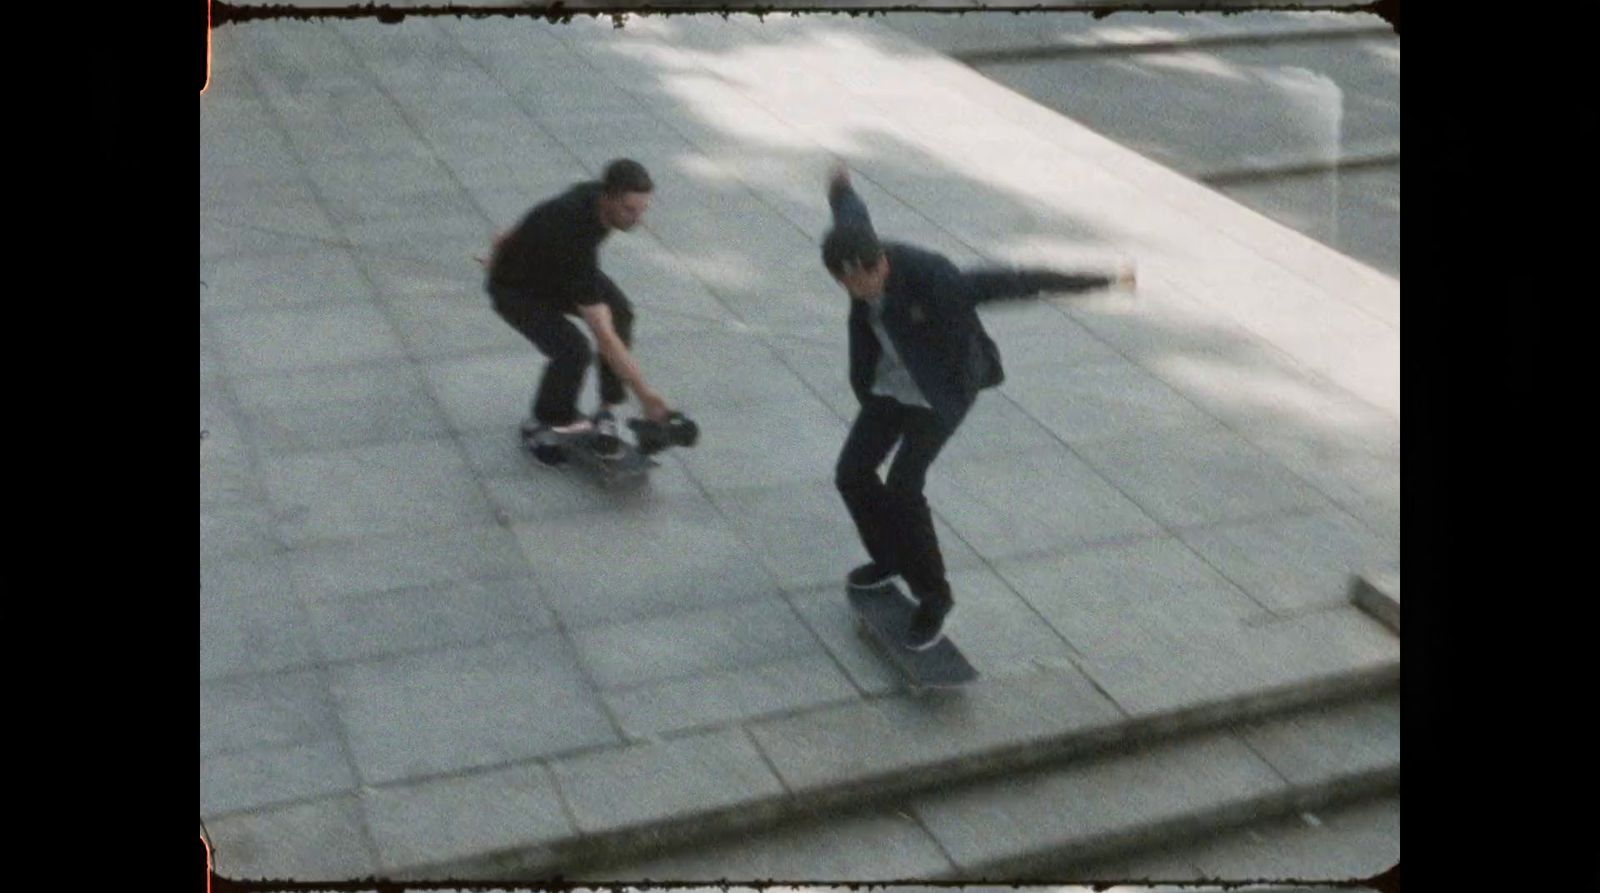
(559, 338)
(892, 517)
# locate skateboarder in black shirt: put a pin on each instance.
(918, 357)
(547, 270)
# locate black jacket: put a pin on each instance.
(930, 313)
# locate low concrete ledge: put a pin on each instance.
(1378, 593)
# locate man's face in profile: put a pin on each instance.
(624, 211)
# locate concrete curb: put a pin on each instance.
(1193, 826)
(1378, 594)
(688, 829)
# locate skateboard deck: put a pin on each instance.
(628, 465)
(883, 615)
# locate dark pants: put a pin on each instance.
(559, 338)
(892, 517)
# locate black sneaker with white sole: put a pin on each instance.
(606, 441)
(869, 576)
(927, 623)
(543, 443)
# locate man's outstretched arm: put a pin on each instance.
(616, 355)
(1000, 284)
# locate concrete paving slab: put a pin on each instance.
(451, 325)
(432, 821)
(405, 620)
(721, 368)
(823, 364)
(1017, 817)
(331, 409)
(411, 559)
(467, 708)
(872, 846)
(1332, 742)
(1038, 331)
(830, 617)
(1160, 320)
(399, 281)
(1224, 108)
(372, 491)
(228, 471)
(257, 281)
(777, 685)
(1101, 402)
(737, 450)
(538, 493)
(1252, 664)
(600, 567)
(249, 619)
(1000, 631)
(346, 181)
(242, 525)
(804, 535)
(978, 31)
(1153, 592)
(513, 155)
(291, 340)
(1346, 345)
(522, 490)
(1358, 843)
(692, 643)
(358, 203)
(234, 189)
(441, 239)
(997, 425)
(1356, 466)
(1345, 842)
(324, 839)
(852, 743)
(697, 775)
(1015, 507)
(251, 779)
(297, 216)
(1356, 210)
(245, 713)
(1262, 390)
(224, 235)
(1291, 564)
(1191, 478)
(490, 392)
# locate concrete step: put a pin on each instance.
(1237, 802)
(692, 790)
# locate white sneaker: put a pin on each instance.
(581, 426)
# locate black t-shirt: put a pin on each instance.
(552, 258)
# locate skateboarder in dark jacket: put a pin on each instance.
(918, 357)
(547, 270)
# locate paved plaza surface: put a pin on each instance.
(419, 649)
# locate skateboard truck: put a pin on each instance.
(653, 437)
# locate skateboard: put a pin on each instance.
(628, 465)
(883, 615)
